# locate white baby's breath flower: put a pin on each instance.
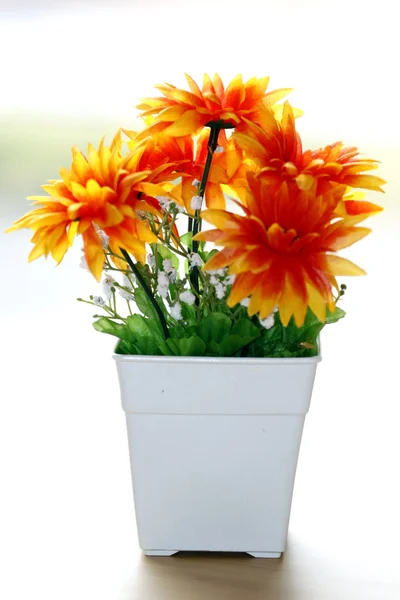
(219, 149)
(214, 280)
(126, 294)
(164, 202)
(196, 202)
(162, 279)
(172, 275)
(196, 182)
(268, 322)
(167, 264)
(108, 279)
(151, 261)
(98, 301)
(229, 279)
(195, 260)
(169, 205)
(245, 302)
(163, 283)
(83, 263)
(176, 311)
(218, 272)
(187, 297)
(126, 282)
(162, 290)
(108, 283)
(220, 291)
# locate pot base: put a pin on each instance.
(265, 554)
(171, 552)
(159, 552)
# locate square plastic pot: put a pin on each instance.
(213, 445)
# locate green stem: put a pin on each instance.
(215, 128)
(113, 314)
(147, 291)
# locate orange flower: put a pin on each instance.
(181, 112)
(103, 191)
(179, 153)
(275, 146)
(228, 170)
(188, 157)
(282, 250)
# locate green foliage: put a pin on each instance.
(169, 322)
(145, 306)
(291, 341)
(162, 253)
(186, 239)
(214, 328)
(185, 346)
(205, 256)
(222, 333)
(105, 325)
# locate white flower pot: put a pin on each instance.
(213, 446)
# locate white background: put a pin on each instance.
(70, 72)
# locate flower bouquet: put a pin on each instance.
(232, 158)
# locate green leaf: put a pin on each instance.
(192, 346)
(145, 306)
(189, 314)
(245, 328)
(186, 239)
(143, 303)
(169, 347)
(177, 332)
(283, 353)
(334, 317)
(165, 252)
(205, 256)
(146, 334)
(138, 326)
(155, 329)
(214, 327)
(105, 325)
(230, 345)
(190, 330)
(124, 347)
(148, 346)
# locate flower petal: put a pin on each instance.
(189, 122)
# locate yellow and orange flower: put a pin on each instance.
(275, 146)
(181, 112)
(103, 191)
(187, 157)
(179, 153)
(283, 250)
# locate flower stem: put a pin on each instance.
(147, 291)
(215, 128)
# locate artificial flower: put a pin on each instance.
(176, 311)
(182, 112)
(187, 297)
(195, 260)
(275, 146)
(283, 250)
(188, 156)
(102, 197)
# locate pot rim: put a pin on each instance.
(218, 360)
